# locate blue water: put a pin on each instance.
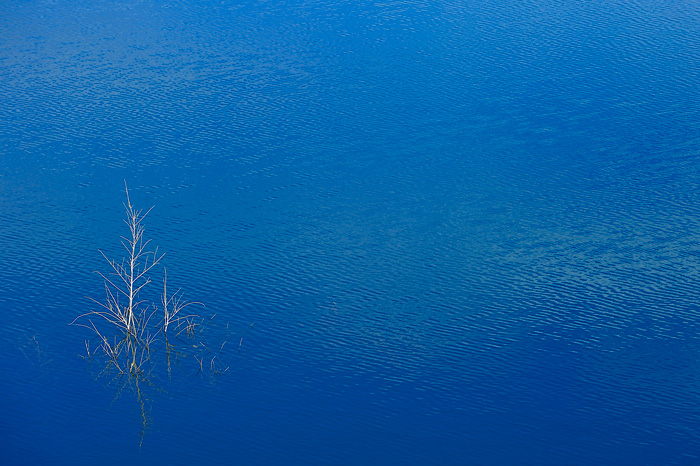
(429, 232)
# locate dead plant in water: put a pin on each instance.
(132, 332)
(126, 326)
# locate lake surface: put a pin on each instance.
(425, 232)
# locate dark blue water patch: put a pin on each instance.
(429, 233)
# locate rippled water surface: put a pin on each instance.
(425, 232)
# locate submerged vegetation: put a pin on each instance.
(128, 327)
(136, 330)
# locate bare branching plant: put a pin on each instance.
(126, 326)
(134, 329)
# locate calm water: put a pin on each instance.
(447, 232)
